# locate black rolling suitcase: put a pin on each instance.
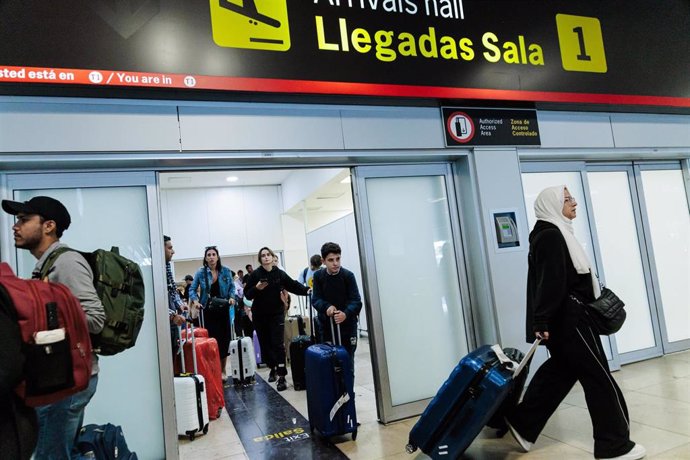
(298, 347)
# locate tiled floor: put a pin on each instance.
(657, 392)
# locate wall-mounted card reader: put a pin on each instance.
(506, 230)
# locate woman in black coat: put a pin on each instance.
(264, 289)
(559, 270)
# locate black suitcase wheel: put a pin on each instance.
(354, 435)
(205, 429)
(191, 436)
(410, 448)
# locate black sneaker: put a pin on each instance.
(272, 376)
(281, 384)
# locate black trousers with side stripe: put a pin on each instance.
(576, 355)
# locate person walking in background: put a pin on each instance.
(558, 270)
(176, 306)
(188, 284)
(243, 325)
(40, 224)
(245, 279)
(306, 275)
(336, 295)
(217, 300)
(268, 311)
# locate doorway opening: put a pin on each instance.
(291, 211)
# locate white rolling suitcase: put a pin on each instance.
(191, 405)
(242, 360)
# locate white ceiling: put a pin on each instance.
(199, 179)
(333, 196)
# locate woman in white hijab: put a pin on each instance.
(558, 270)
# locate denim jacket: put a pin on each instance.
(203, 278)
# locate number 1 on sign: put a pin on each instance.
(583, 56)
(581, 43)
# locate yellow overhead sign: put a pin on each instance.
(252, 24)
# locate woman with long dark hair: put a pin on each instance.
(216, 300)
(268, 311)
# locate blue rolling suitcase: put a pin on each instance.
(330, 393)
(466, 402)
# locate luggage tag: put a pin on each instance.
(50, 336)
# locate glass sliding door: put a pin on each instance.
(665, 199)
(640, 225)
(619, 229)
(416, 291)
(117, 210)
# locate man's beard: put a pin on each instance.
(28, 243)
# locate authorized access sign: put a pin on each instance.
(472, 126)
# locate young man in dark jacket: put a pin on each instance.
(335, 295)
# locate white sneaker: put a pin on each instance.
(637, 452)
(525, 444)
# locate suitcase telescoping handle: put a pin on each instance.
(182, 342)
(512, 365)
(337, 326)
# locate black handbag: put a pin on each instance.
(215, 303)
(607, 312)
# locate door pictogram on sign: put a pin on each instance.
(253, 24)
(460, 127)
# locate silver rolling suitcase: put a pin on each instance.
(191, 405)
(242, 360)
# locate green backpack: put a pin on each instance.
(120, 286)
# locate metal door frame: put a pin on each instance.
(10, 182)
(386, 411)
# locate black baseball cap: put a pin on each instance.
(189, 278)
(45, 206)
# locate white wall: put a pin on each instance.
(239, 220)
(344, 232)
(613, 130)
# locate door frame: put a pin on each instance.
(638, 167)
(36, 181)
(386, 411)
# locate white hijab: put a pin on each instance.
(549, 207)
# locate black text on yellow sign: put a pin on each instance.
(581, 43)
(388, 45)
(252, 24)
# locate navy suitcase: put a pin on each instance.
(465, 403)
(330, 393)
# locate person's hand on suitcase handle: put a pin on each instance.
(544, 335)
(338, 316)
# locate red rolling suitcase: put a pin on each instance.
(198, 332)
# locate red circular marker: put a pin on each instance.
(460, 127)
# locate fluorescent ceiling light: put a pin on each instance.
(232, 178)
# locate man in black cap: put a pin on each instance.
(39, 226)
